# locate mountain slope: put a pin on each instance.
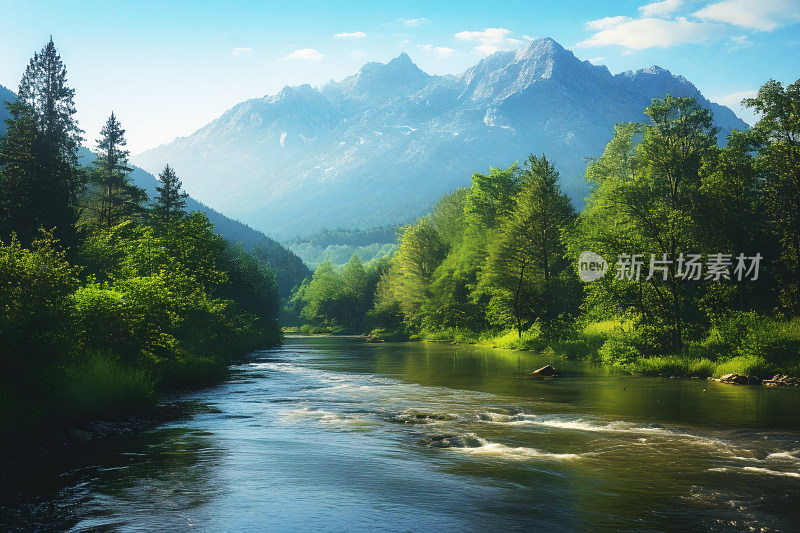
(288, 267)
(5, 96)
(381, 146)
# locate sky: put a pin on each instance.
(166, 68)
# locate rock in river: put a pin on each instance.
(734, 379)
(544, 372)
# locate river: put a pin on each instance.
(333, 434)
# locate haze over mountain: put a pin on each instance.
(289, 268)
(5, 96)
(381, 146)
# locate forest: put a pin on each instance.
(712, 234)
(108, 298)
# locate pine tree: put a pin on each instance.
(113, 198)
(40, 183)
(170, 203)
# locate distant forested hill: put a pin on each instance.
(288, 267)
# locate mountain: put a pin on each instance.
(379, 147)
(5, 96)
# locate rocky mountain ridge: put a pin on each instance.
(379, 147)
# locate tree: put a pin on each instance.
(20, 182)
(648, 200)
(40, 152)
(777, 134)
(170, 203)
(527, 272)
(113, 198)
(356, 301)
(323, 297)
(731, 220)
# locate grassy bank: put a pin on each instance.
(742, 343)
(105, 386)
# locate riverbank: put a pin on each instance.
(102, 396)
(760, 350)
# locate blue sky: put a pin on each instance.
(168, 67)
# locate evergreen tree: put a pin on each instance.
(114, 198)
(40, 153)
(170, 204)
(20, 182)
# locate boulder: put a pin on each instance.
(544, 372)
(734, 379)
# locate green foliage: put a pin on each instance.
(337, 301)
(93, 324)
(36, 317)
(527, 270)
(40, 182)
(667, 195)
(777, 137)
(101, 386)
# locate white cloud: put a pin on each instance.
(438, 51)
(765, 15)
(491, 40)
(664, 8)
(626, 53)
(353, 35)
(305, 54)
(358, 53)
(649, 32)
(527, 37)
(606, 23)
(596, 59)
(239, 51)
(739, 41)
(414, 22)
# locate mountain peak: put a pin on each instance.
(402, 60)
(543, 49)
(398, 76)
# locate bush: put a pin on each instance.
(36, 317)
(746, 365)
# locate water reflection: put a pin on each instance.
(104, 487)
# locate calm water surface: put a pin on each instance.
(332, 434)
